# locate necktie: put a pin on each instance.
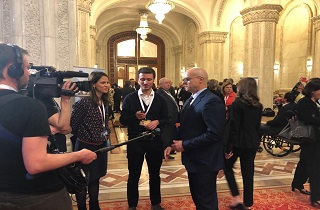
(188, 104)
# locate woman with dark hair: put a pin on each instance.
(309, 163)
(243, 140)
(89, 122)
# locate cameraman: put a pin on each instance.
(59, 118)
(23, 143)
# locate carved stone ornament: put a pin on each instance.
(85, 5)
(93, 31)
(177, 50)
(212, 37)
(316, 22)
(261, 13)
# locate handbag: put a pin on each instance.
(297, 132)
(268, 112)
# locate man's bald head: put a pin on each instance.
(195, 79)
(165, 83)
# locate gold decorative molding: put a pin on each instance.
(212, 37)
(261, 13)
(85, 5)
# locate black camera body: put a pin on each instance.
(46, 82)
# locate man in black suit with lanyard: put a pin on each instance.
(173, 112)
(202, 123)
(144, 110)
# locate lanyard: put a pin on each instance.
(3, 86)
(102, 113)
(142, 106)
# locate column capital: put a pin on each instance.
(316, 22)
(85, 5)
(176, 50)
(261, 13)
(212, 37)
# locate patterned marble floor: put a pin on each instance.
(269, 171)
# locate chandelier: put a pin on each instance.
(160, 8)
(143, 28)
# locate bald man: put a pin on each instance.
(202, 120)
(173, 112)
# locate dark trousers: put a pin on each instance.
(136, 152)
(247, 157)
(49, 201)
(116, 105)
(203, 190)
(301, 175)
(309, 166)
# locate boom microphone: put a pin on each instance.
(153, 133)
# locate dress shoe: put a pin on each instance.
(315, 204)
(156, 207)
(303, 191)
(238, 206)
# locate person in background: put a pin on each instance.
(117, 97)
(228, 95)
(274, 126)
(144, 110)
(243, 139)
(111, 103)
(172, 89)
(202, 122)
(168, 131)
(134, 84)
(309, 163)
(24, 131)
(182, 95)
(297, 89)
(89, 122)
(234, 87)
(213, 86)
(126, 90)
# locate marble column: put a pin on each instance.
(211, 52)
(316, 57)
(177, 53)
(45, 28)
(259, 56)
(92, 46)
(83, 13)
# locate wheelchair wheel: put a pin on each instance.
(277, 146)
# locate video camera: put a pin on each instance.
(46, 82)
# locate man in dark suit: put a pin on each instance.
(202, 123)
(274, 126)
(173, 112)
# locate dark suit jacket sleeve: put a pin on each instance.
(213, 115)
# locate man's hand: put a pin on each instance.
(177, 146)
(228, 155)
(140, 115)
(166, 153)
(68, 85)
(152, 125)
(87, 156)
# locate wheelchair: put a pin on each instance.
(278, 146)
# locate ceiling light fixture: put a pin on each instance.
(143, 29)
(160, 8)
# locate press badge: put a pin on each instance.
(105, 134)
(145, 122)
